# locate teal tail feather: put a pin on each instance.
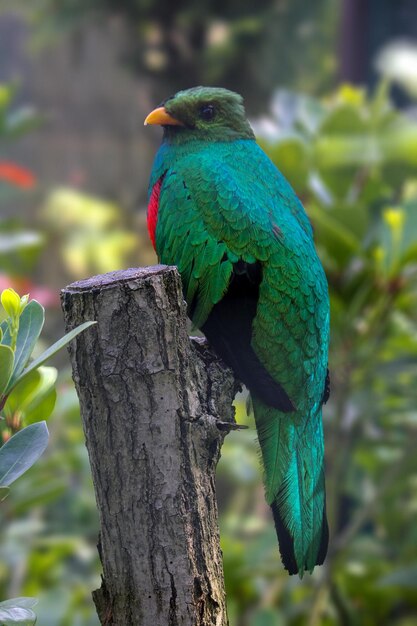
(293, 458)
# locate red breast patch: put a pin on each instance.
(153, 210)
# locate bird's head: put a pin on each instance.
(207, 113)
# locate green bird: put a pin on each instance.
(221, 212)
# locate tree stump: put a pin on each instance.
(156, 406)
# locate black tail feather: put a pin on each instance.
(286, 543)
(324, 541)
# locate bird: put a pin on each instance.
(221, 211)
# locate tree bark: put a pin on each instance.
(156, 406)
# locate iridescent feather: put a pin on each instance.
(244, 247)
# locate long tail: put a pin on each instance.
(293, 457)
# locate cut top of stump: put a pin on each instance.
(103, 281)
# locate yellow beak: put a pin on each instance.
(162, 117)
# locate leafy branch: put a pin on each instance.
(21, 380)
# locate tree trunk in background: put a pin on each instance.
(150, 403)
(366, 27)
(354, 46)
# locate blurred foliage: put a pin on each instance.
(86, 233)
(27, 389)
(27, 395)
(14, 121)
(47, 548)
(91, 237)
(398, 62)
(48, 522)
(244, 46)
(18, 246)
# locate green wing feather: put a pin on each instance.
(182, 238)
(223, 202)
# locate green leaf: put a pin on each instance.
(34, 397)
(6, 367)
(21, 121)
(290, 155)
(22, 393)
(267, 617)
(30, 327)
(52, 350)
(4, 492)
(7, 94)
(41, 410)
(18, 249)
(21, 451)
(18, 611)
(344, 143)
(23, 602)
(354, 218)
(334, 234)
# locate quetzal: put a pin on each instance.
(222, 213)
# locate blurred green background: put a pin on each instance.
(331, 88)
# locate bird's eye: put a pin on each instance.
(207, 112)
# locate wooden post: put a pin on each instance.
(155, 407)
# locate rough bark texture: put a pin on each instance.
(155, 407)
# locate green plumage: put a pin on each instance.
(222, 201)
